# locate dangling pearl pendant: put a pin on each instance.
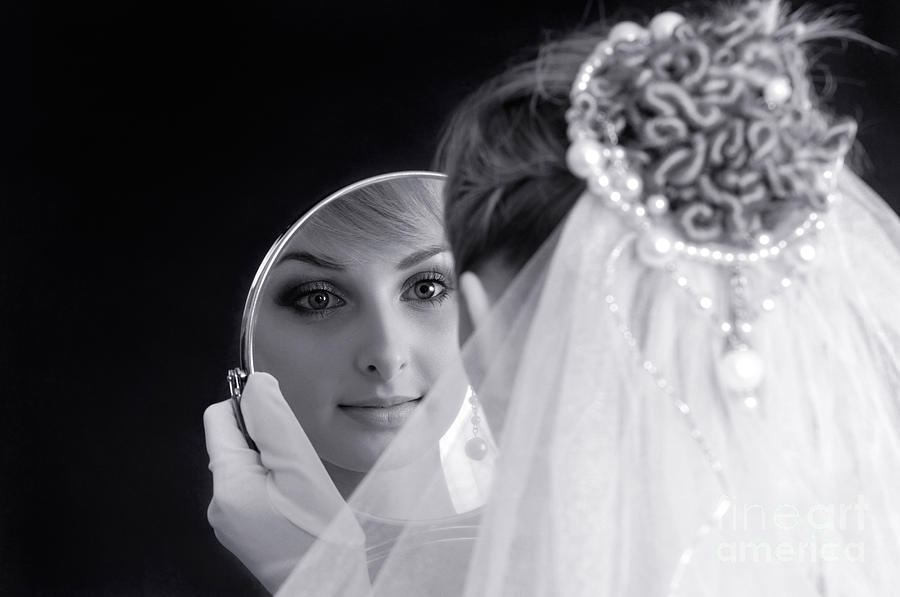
(476, 448)
(741, 369)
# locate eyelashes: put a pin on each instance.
(430, 288)
(312, 299)
(322, 299)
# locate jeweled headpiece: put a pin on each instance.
(705, 135)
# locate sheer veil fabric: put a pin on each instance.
(605, 484)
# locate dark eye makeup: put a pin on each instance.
(312, 299)
(430, 288)
(321, 298)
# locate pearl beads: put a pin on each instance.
(663, 25)
(599, 184)
(632, 186)
(476, 448)
(741, 369)
(627, 31)
(804, 256)
(657, 205)
(655, 248)
(650, 368)
(584, 156)
(807, 252)
(777, 91)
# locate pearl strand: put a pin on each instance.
(684, 411)
(658, 249)
(647, 365)
(610, 178)
(585, 157)
(476, 448)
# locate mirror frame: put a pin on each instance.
(237, 376)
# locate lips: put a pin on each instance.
(382, 413)
(379, 402)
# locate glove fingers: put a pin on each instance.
(283, 445)
(225, 443)
(299, 485)
(269, 518)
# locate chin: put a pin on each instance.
(364, 452)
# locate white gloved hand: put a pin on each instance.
(269, 507)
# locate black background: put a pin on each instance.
(151, 153)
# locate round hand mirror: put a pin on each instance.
(353, 311)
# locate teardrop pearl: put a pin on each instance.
(476, 448)
(741, 369)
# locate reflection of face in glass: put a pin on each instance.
(358, 318)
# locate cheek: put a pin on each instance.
(306, 361)
(437, 342)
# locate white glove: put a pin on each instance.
(269, 507)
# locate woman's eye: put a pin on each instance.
(425, 290)
(318, 300)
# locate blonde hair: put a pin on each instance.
(382, 214)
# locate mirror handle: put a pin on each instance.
(236, 379)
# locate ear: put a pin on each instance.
(475, 301)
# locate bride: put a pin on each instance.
(682, 326)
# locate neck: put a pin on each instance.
(398, 493)
(345, 480)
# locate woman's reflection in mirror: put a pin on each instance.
(359, 318)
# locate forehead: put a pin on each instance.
(349, 243)
(384, 219)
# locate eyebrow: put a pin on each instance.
(420, 256)
(405, 263)
(311, 259)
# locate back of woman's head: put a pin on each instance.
(504, 151)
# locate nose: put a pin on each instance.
(384, 350)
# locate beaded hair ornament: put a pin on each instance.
(704, 135)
